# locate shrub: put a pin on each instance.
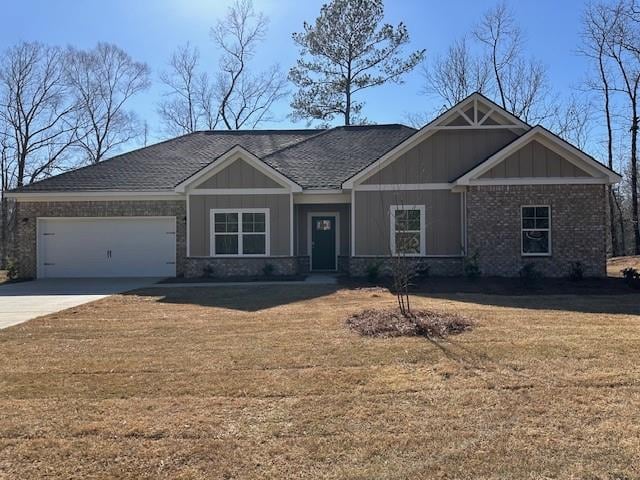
(472, 266)
(576, 271)
(268, 269)
(631, 277)
(423, 270)
(12, 269)
(529, 274)
(373, 272)
(208, 271)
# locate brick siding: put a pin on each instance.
(578, 226)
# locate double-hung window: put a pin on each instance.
(240, 232)
(407, 230)
(536, 230)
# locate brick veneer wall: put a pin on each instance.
(28, 212)
(232, 267)
(445, 267)
(578, 226)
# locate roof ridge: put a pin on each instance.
(295, 144)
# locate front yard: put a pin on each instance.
(266, 382)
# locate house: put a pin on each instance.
(474, 181)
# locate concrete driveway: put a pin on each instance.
(23, 301)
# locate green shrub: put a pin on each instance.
(472, 266)
(208, 271)
(373, 272)
(529, 274)
(576, 271)
(631, 277)
(423, 271)
(12, 269)
(268, 269)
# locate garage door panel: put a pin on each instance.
(109, 247)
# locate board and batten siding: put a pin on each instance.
(200, 207)
(534, 160)
(442, 212)
(443, 157)
(302, 227)
(239, 175)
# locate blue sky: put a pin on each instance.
(150, 29)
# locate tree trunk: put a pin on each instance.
(634, 181)
(615, 244)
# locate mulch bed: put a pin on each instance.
(424, 323)
(247, 279)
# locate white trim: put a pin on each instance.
(549, 140)
(522, 230)
(476, 127)
(39, 259)
(540, 181)
(392, 229)
(424, 133)
(314, 198)
(336, 219)
(239, 191)
(239, 211)
(291, 224)
(402, 186)
(318, 191)
(353, 223)
(226, 159)
(93, 196)
(188, 227)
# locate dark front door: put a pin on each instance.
(323, 243)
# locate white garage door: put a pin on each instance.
(107, 247)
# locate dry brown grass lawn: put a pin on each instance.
(267, 382)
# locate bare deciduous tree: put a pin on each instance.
(245, 99)
(598, 22)
(457, 74)
(102, 81)
(36, 106)
(521, 83)
(188, 104)
(622, 49)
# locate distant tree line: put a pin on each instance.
(61, 108)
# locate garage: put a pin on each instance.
(107, 247)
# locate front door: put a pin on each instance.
(323, 242)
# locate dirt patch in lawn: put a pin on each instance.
(615, 265)
(424, 323)
(267, 382)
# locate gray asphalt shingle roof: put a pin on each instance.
(312, 158)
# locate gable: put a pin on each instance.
(537, 161)
(442, 157)
(239, 174)
(539, 156)
(476, 114)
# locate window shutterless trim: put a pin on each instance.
(522, 230)
(392, 229)
(239, 233)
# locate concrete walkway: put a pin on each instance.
(23, 301)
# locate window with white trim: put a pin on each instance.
(407, 230)
(241, 232)
(536, 230)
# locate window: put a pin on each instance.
(536, 230)
(408, 230)
(240, 232)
